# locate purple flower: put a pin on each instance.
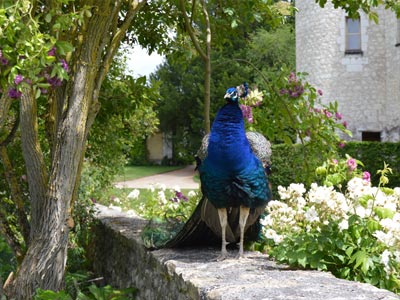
(18, 79)
(14, 93)
(64, 65)
(328, 114)
(338, 115)
(352, 164)
(43, 91)
(54, 81)
(247, 112)
(52, 51)
(3, 61)
(283, 91)
(366, 176)
(320, 92)
(341, 145)
(345, 124)
(292, 77)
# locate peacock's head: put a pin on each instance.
(234, 93)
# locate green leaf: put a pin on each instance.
(64, 47)
(384, 213)
(48, 17)
(373, 225)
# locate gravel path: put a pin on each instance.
(182, 178)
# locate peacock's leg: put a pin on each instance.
(223, 219)
(244, 214)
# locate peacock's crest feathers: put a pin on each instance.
(233, 94)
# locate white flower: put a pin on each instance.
(176, 188)
(161, 197)
(134, 194)
(311, 215)
(117, 200)
(385, 259)
(161, 186)
(361, 211)
(191, 194)
(297, 189)
(343, 225)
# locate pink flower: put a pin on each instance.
(338, 115)
(366, 176)
(328, 114)
(341, 145)
(52, 51)
(345, 124)
(335, 161)
(352, 164)
(247, 112)
(18, 79)
(320, 92)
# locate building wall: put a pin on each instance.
(159, 146)
(366, 86)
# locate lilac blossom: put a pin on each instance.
(247, 112)
(14, 93)
(54, 81)
(64, 65)
(18, 79)
(328, 114)
(3, 60)
(52, 51)
(338, 115)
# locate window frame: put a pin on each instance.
(352, 34)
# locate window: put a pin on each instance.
(371, 136)
(353, 36)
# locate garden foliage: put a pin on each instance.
(352, 232)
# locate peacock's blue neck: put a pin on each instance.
(228, 146)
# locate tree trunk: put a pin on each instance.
(53, 193)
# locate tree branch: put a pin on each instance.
(33, 156)
(190, 31)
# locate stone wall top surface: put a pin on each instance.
(254, 277)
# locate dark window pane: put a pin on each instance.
(371, 136)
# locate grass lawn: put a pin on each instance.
(134, 172)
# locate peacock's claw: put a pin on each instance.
(222, 256)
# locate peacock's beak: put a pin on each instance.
(227, 96)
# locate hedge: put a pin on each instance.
(291, 165)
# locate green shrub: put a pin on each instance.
(7, 259)
(373, 155)
(291, 164)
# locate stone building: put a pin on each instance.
(356, 63)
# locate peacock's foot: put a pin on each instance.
(240, 255)
(222, 256)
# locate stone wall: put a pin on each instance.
(367, 85)
(170, 274)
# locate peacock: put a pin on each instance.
(233, 179)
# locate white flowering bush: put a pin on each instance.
(355, 234)
(164, 204)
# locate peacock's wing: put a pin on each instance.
(195, 232)
(260, 146)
